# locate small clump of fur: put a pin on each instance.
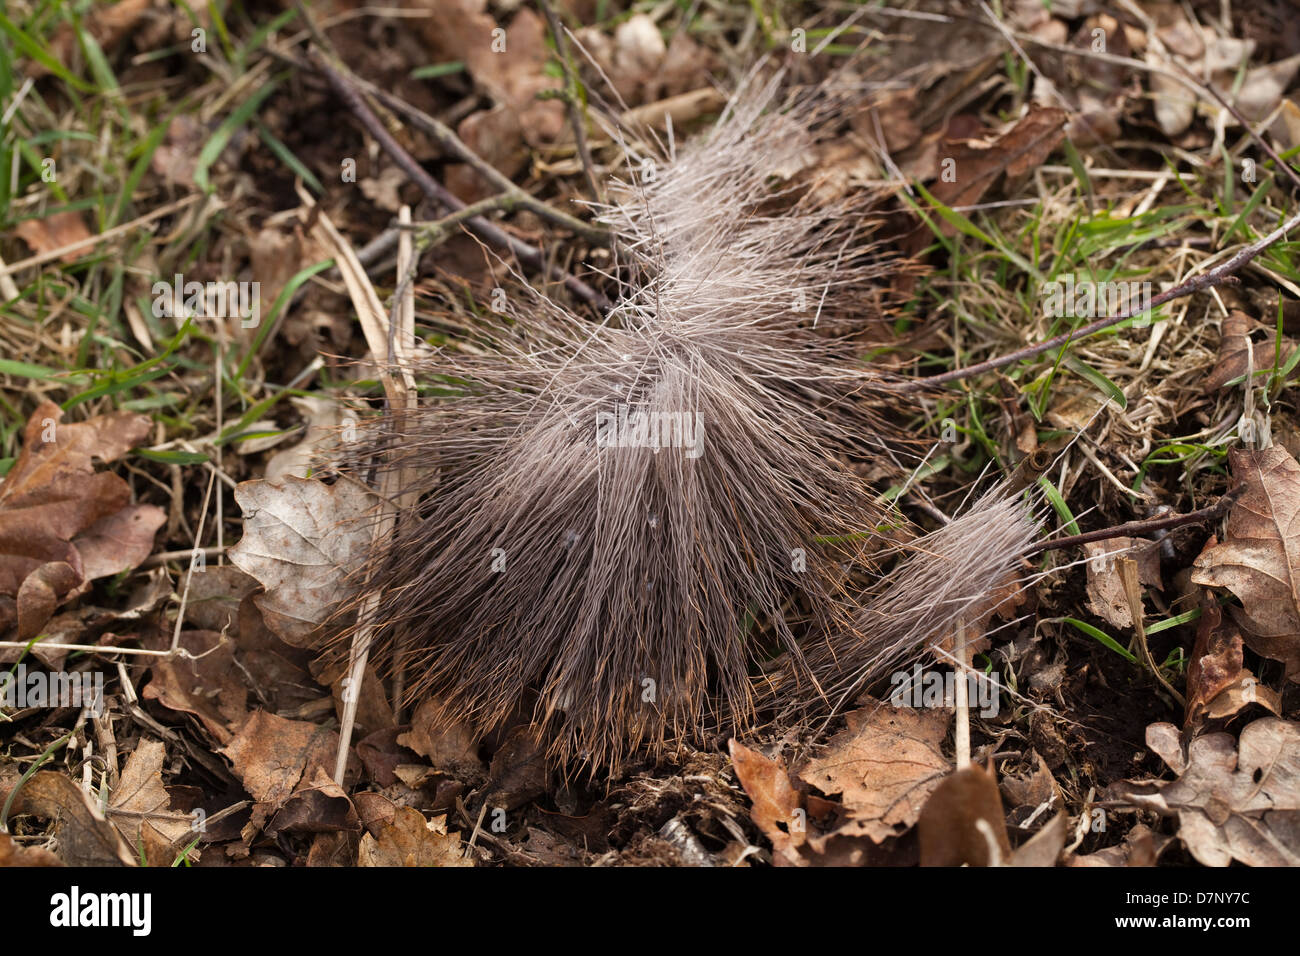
(618, 584)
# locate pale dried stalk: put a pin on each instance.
(390, 349)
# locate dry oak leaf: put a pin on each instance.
(300, 536)
(1259, 558)
(885, 765)
(410, 840)
(62, 523)
(1235, 800)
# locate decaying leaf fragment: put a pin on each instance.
(777, 806)
(85, 837)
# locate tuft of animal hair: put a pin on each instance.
(619, 589)
(955, 576)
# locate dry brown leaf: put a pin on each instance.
(108, 23)
(1218, 686)
(1215, 663)
(451, 747)
(120, 541)
(776, 806)
(336, 848)
(884, 765)
(1234, 800)
(1026, 794)
(208, 684)
(976, 165)
(318, 805)
(1259, 558)
(54, 232)
(53, 502)
(300, 536)
(963, 824)
(1236, 348)
(1106, 596)
(272, 756)
(509, 62)
(1044, 847)
(410, 840)
(1142, 846)
(141, 808)
(215, 596)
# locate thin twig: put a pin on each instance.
(198, 538)
(1196, 283)
(451, 143)
(571, 98)
(485, 230)
(1145, 526)
(432, 233)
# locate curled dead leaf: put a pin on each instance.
(1259, 558)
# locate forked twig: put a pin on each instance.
(527, 254)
